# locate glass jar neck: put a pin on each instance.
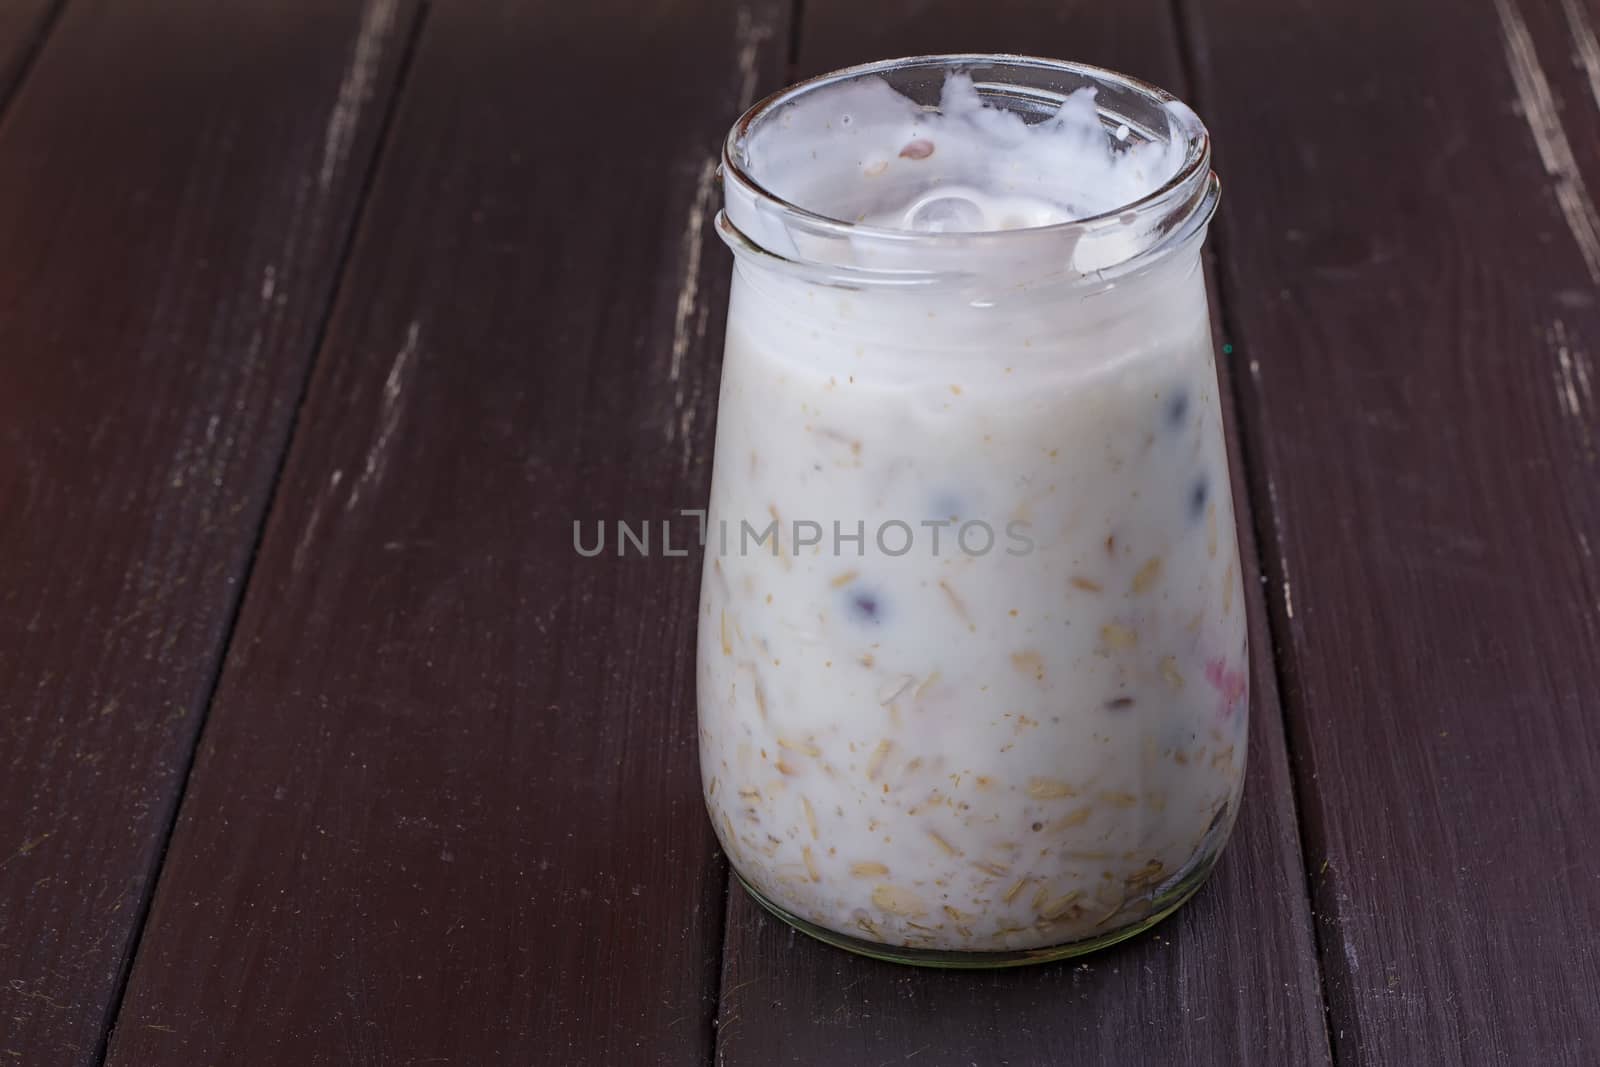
(772, 233)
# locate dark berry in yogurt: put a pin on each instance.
(866, 607)
(1176, 413)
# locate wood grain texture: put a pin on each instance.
(171, 212)
(24, 26)
(1415, 291)
(1232, 978)
(447, 809)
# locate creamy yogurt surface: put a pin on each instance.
(981, 687)
(861, 152)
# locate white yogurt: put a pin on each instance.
(863, 153)
(954, 748)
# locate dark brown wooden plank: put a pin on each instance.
(1232, 978)
(24, 26)
(1420, 322)
(172, 210)
(447, 808)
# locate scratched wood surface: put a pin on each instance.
(1415, 285)
(1232, 978)
(171, 216)
(447, 807)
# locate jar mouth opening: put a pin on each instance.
(1186, 128)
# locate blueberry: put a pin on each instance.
(1178, 409)
(1198, 497)
(866, 608)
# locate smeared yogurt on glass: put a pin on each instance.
(861, 152)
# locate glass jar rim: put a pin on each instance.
(1179, 207)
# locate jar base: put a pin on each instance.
(1164, 903)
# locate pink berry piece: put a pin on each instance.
(1230, 685)
(918, 149)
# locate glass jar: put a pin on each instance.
(972, 654)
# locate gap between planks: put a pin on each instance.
(358, 76)
(1265, 518)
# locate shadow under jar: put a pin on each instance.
(972, 646)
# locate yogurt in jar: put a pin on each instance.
(971, 668)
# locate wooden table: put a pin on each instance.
(321, 320)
